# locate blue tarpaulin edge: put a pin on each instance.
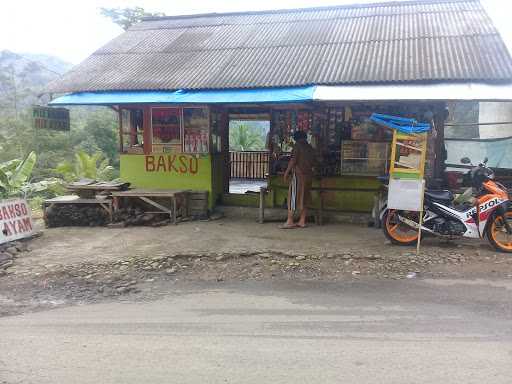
(399, 123)
(237, 96)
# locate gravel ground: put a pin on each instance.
(69, 266)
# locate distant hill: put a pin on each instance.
(50, 62)
(23, 77)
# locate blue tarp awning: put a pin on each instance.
(237, 96)
(399, 123)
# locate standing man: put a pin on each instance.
(301, 168)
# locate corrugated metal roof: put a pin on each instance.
(380, 43)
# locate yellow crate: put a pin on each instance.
(408, 154)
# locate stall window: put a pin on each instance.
(365, 147)
(132, 123)
(283, 123)
(345, 139)
(166, 129)
(196, 129)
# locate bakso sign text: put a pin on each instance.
(56, 119)
(15, 220)
(179, 164)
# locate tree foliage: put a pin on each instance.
(16, 175)
(126, 17)
(28, 156)
(92, 130)
(84, 166)
(245, 137)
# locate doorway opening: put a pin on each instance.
(248, 155)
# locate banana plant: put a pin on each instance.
(86, 166)
(15, 178)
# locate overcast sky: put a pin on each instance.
(73, 29)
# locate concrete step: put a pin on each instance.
(279, 214)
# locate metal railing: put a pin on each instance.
(251, 165)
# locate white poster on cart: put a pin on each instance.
(15, 220)
(406, 194)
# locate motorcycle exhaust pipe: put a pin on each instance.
(416, 226)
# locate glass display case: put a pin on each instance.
(196, 130)
(166, 129)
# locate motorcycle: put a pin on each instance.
(488, 215)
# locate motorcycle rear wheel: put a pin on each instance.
(497, 233)
(397, 232)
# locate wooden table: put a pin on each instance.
(106, 204)
(149, 195)
(88, 189)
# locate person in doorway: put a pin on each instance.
(300, 168)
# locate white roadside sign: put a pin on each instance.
(406, 194)
(15, 220)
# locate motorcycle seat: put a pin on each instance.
(439, 195)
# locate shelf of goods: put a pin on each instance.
(365, 158)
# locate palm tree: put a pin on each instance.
(245, 138)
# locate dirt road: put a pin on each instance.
(380, 331)
(235, 301)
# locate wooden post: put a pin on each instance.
(440, 149)
(261, 218)
(147, 130)
(321, 213)
(174, 208)
(186, 208)
(420, 221)
(120, 117)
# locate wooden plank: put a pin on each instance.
(198, 213)
(98, 187)
(76, 200)
(150, 192)
(199, 198)
(155, 204)
(196, 196)
(262, 206)
(198, 205)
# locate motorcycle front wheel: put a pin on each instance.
(398, 232)
(498, 235)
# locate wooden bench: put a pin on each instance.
(319, 212)
(106, 204)
(150, 195)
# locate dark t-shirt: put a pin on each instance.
(304, 156)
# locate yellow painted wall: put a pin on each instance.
(195, 172)
(355, 194)
(168, 171)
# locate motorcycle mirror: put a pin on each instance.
(486, 160)
(465, 160)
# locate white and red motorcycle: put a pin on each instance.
(489, 215)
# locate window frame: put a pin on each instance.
(145, 147)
